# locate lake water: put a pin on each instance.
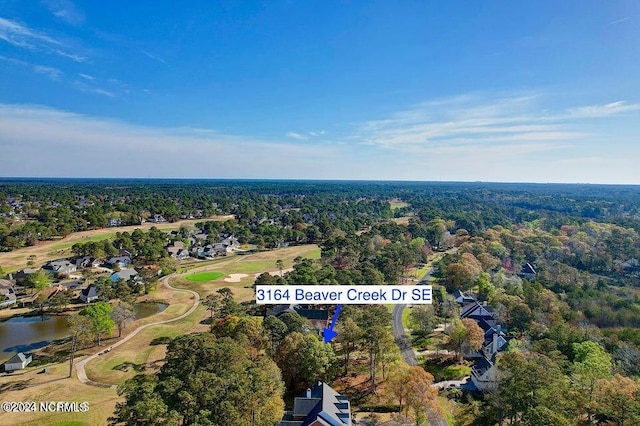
(25, 334)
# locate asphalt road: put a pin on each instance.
(406, 349)
(399, 334)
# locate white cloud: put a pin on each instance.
(297, 136)
(52, 73)
(481, 148)
(30, 136)
(76, 58)
(66, 11)
(13, 61)
(598, 111)
(477, 122)
(154, 57)
(20, 35)
(87, 88)
(87, 76)
(619, 21)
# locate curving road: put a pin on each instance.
(408, 354)
(82, 374)
(399, 334)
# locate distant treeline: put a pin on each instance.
(33, 210)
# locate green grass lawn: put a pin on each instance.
(449, 372)
(94, 238)
(201, 277)
(456, 372)
(405, 317)
(396, 204)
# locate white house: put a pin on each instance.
(121, 261)
(17, 362)
(60, 266)
(7, 290)
(89, 294)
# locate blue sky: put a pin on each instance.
(540, 91)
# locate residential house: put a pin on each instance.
(205, 252)
(319, 406)
(462, 298)
(231, 243)
(178, 253)
(156, 218)
(630, 267)
(114, 221)
(22, 274)
(477, 311)
(125, 252)
(89, 294)
(484, 372)
(484, 375)
(17, 362)
(8, 291)
(495, 340)
(125, 275)
(86, 262)
(121, 261)
(319, 318)
(52, 291)
(60, 266)
(201, 236)
(528, 271)
(177, 250)
(73, 285)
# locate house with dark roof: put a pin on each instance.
(87, 262)
(177, 250)
(477, 311)
(484, 372)
(462, 298)
(89, 294)
(630, 267)
(23, 274)
(17, 362)
(528, 271)
(156, 218)
(319, 318)
(320, 405)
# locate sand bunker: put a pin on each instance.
(235, 278)
(274, 273)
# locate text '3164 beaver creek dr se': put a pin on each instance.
(330, 295)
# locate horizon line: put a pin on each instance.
(247, 179)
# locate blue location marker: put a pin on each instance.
(329, 333)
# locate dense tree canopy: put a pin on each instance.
(205, 380)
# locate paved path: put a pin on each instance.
(401, 338)
(406, 349)
(452, 383)
(82, 374)
(399, 334)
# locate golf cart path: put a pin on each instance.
(80, 365)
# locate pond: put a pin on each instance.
(25, 334)
(146, 309)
